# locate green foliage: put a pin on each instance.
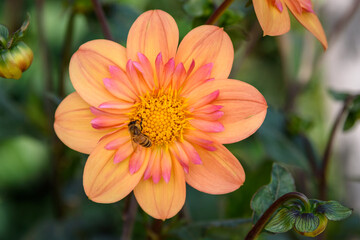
(22, 159)
(306, 222)
(16, 36)
(278, 144)
(4, 34)
(297, 125)
(196, 8)
(339, 96)
(283, 221)
(199, 10)
(353, 114)
(333, 210)
(309, 222)
(309, 219)
(281, 183)
(354, 109)
(5, 41)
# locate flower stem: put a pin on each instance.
(55, 145)
(155, 231)
(101, 17)
(218, 12)
(329, 146)
(66, 50)
(261, 223)
(129, 215)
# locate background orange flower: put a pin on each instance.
(274, 17)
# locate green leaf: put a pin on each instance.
(333, 210)
(4, 32)
(282, 222)
(306, 222)
(356, 102)
(340, 96)
(297, 125)
(353, 115)
(281, 183)
(25, 24)
(16, 36)
(351, 119)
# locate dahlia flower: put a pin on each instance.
(274, 17)
(181, 99)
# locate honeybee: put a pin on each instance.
(137, 136)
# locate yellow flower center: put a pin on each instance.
(162, 115)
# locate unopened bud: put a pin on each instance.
(15, 60)
(319, 229)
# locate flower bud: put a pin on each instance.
(319, 229)
(14, 61)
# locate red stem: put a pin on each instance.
(261, 223)
(329, 147)
(218, 12)
(102, 19)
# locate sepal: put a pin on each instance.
(333, 210)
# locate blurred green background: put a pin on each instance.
(41, 193)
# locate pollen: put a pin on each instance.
(162, 115)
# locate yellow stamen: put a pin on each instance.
(162, 115)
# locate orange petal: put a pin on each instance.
(273, 21)
(191, 152)
(122, 137)
(107, 182)
(123, 152)
(72, 124)
(162, 200)
(134, 76)
(200, 138)
(310, 21)
(244, 110)
(108, 122)
(166, 165)
(214, 116)
(120, 85)
(198, 100)
(243, 105)
(180, 155)
(219, 173)
(90, 65)
(153, 168)
(145, 68)
(136, 160)
(207, 126)
(179, 76)
(201, 75)
(153, 32)
(119, 105)
(207, 44)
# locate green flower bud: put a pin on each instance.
(321, 222)
(14, 61)
(310, 221)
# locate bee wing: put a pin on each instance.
(134, 145)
